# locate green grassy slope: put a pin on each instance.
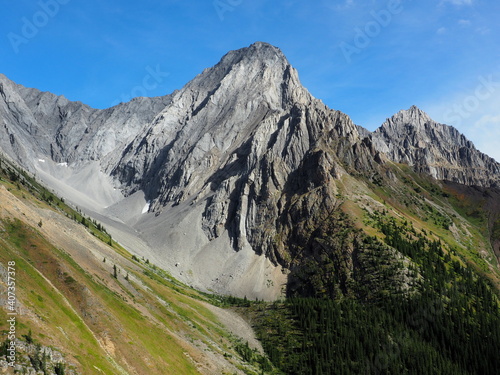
(103, 311)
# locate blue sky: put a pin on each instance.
(367, 58)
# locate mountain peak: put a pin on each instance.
(413, 138)
(257, 75)
(263, 49)
(414, 116)
(264, 46)
(259, 52)
(415, 110)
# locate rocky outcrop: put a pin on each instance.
(244, 136)
(413, 138)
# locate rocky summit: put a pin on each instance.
(413, 138)
(224, 182)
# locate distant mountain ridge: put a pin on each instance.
(243, 158)
(413, 138)
(40, 124)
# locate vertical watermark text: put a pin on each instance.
(11, 306)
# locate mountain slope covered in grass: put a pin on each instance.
(94, 305)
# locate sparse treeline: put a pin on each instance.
(23, 180)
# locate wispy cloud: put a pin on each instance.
(441, 31)
(483, 30)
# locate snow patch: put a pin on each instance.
(62, 164)
(41, 160)
(146, 207)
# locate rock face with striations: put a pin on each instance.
(413, 138)
(241, 137)
(236, 167)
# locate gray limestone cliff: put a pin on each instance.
(243, 137)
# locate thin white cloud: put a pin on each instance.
(464, 23)
(483, 30)
(486, 120)
(441, 31)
